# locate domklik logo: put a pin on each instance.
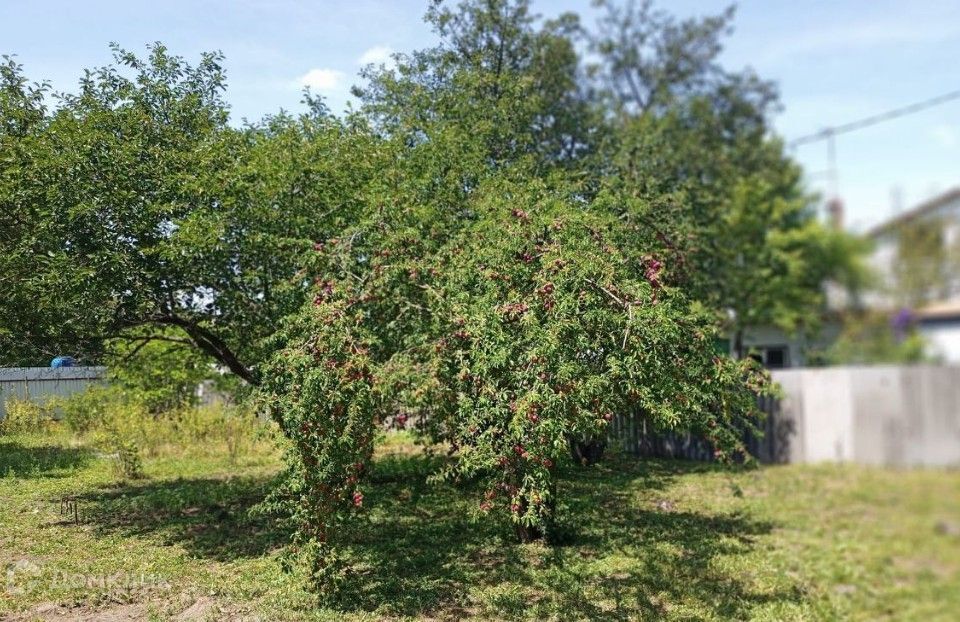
(21, 575)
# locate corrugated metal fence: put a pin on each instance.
(42, 383)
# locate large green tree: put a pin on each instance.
(693, 158)
(531, 321)
(133, 204)
(507, 82)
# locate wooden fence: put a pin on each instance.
(634, 434)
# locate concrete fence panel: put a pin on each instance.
(876, 415)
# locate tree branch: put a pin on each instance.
(606, 291)
(146, 339)
(212, 344)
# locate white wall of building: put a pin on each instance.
(943, 339)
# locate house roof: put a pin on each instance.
(940, 310)
(922, 209)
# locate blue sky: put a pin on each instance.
(835, 62)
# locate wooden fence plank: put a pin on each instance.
(634, 434)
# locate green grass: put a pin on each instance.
(647, 540)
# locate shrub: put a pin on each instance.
(128, 463)
(533, 325)
(24, 416)
(91, 408)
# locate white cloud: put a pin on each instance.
(321, 79)
(945, 135)
(377, 54)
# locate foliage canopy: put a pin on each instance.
(504, 246)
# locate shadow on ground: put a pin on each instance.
(210, 517)
(24, 460)
(419, 548)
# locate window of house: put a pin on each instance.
(771, 357)
(775, 357)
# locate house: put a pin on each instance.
(778, 349)
(917, 258)
(939, 323)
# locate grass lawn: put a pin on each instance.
(650, 540)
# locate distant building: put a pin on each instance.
(777, 349)
(917, 257)
(940, 325)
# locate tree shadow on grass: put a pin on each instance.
(419, 549)
(210, 517)
(672, 552)
(671, 555)
(422, 552)
(420, 546)
(40, 460)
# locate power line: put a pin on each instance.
(830, 132)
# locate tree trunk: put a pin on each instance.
(587, 451)
(527, 534)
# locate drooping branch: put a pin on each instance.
(143, 340)
(211, 344)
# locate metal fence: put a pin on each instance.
(42, 383)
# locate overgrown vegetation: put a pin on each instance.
(505, 244)
(23, 416)
(122, 425)
(648, 540)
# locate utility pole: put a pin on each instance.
(829, 134)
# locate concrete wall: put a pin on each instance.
(879, 415)
(943, 339)
(42, 383)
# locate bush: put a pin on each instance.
(91, 408)
(128, 463)
(533, 325)
(24, 416)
